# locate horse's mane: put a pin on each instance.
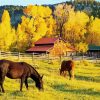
(31, 68)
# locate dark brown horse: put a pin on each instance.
(67, 66)
(19, 70)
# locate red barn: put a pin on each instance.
(44, 45)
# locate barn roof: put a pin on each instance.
(46, 48)
(40, 48)
(46, 40)
(46, 44)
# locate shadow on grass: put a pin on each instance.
(63, 88)
(86, 78)
(97, 65)
(17, 93)
(1, 93)
(14, 93)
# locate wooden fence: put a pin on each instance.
(21, 56)
(33, 56)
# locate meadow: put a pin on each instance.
(85, 86)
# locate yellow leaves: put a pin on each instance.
(94, 32)
(47, 12)
(20, 34)
(5, 22)
(38, 23)
(75, 27)
(21, 42)
(59, 10)
(78, 19)
(81, 18)
(7, 33)
(51, 25)
(95, 26)
(62, 10)
(81, 47)
(35, 11)
(41, 11)
(34, 29)
(5, 16)
(58, 49)
(28, 10)
(41, 29)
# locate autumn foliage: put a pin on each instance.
(7, 33)
(59, 49)
(75, 27)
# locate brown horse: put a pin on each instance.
(19, 70)
(67, 66)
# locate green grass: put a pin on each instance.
(85, 86)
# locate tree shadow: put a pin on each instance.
(1, 93)
(97, 65)
(87, 78)
(16, 93)
(62, 88)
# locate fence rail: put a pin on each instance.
(19, 56)
(34, 56)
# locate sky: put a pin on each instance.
(27, 2)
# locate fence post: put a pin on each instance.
(82, 56)
(72, 56)
(18, 56)
(32, 57)
(47, 56)
(96, 60)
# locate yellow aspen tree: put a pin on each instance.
(59, 49)
(82, 47)
(61, 14)
(34, 29)
(7, 33)
(75, 27)
(21, 42)
(94, 32)
(38, 23)
(51, 26)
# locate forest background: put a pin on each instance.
(76, 22)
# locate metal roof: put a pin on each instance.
(94, 47)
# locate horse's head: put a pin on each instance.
(39, 84)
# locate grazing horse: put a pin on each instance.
(67, 66)
(19, 70)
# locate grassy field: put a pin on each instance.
(85, 86)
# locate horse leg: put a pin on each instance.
(21, 84)
(1, 83)
(26, 84)
(65, 73)
(70, 74)
(60, 72)
(2, 88)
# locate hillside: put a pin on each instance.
(92, 9)
(15, 13)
